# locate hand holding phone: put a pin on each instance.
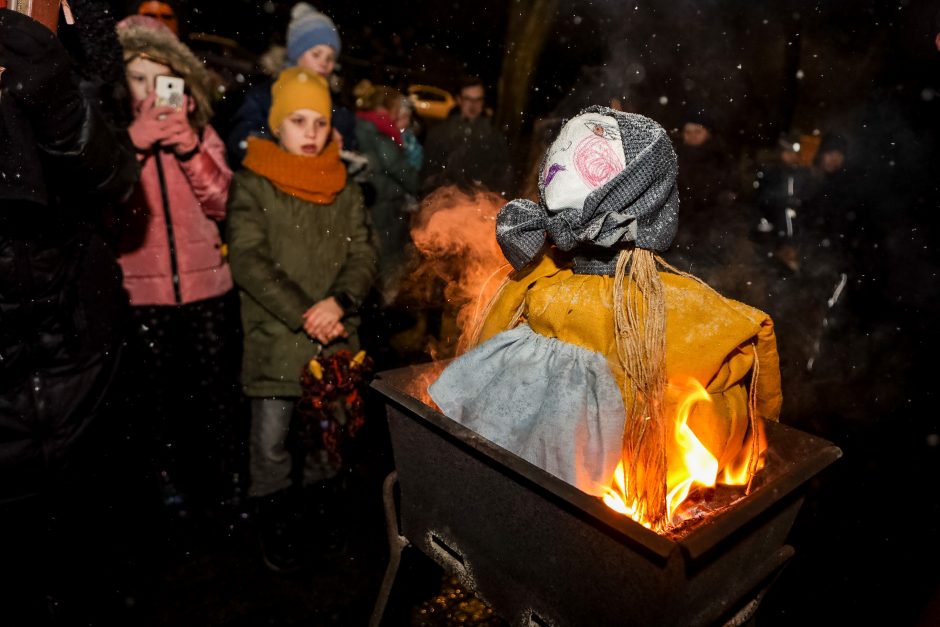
(151, 123)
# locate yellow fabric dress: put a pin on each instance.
(709, 338)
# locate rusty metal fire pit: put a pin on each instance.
(541, 552)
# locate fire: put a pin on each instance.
(697, 466)
(454, 235)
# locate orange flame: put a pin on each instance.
(737, 472)
(696, 465)
(455, 235)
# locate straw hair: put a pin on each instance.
(640, 328)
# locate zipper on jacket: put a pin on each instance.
(174, 267)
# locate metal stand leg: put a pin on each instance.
(396, 544)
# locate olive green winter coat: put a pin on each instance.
(286, 254)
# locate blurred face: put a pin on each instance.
(304, 132)
(142, 77)
(403, 119)
(320, 59)
(587, 154)
(470, 102)
(832, 161)
(160, 11)
(694, 134)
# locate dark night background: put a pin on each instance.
(867, 537)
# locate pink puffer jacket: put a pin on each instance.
(181, 262)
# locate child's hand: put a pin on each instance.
(322, 321)
(180, 135)
(151, 124)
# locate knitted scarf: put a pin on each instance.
(383, 123)
(317, 179)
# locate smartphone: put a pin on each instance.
(170, 92)
(46, 12)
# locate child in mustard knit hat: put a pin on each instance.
(313, 43)
(303, 258)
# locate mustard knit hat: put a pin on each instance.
(298, 88)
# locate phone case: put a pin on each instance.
(169, 92)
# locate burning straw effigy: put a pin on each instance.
(598, 361)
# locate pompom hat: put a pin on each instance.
(308, 28)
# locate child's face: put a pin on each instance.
(142, 77)
(320, 59)
(304, 132)
(587, 154)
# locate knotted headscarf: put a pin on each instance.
(640, 205)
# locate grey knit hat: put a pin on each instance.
(640, 204)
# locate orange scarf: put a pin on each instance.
(317, 179)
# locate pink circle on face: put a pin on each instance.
(596, 161)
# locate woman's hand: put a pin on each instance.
(322, 321)
(151, 124)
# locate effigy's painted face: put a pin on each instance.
(587, 153)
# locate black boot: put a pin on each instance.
(280, 532)
(326, 515)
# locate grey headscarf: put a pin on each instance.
(644, 192)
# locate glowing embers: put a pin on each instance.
(693, 474)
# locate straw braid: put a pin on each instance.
(640, 326)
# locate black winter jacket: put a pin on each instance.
(62, 304)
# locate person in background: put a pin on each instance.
(63, 317)
(408, 128)
(707, 192)
(784, 185)
(394, 178)
(303, 257)
(167, 12)
(466, 149)
(706, 170)
(313, 43)
(175, 272)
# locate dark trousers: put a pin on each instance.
(190, 418)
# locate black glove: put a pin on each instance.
(39, 76)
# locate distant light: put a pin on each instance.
(663, 100)
(796, 147)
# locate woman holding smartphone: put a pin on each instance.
(175, 271)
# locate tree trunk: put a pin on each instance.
(529, 25)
